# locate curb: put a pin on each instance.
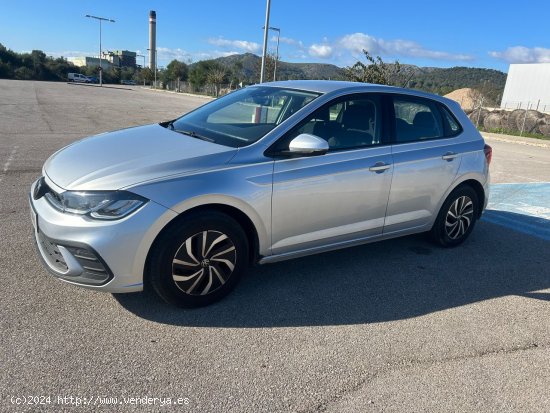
(177, 93)
(516, 139)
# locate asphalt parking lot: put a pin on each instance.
(394, 326)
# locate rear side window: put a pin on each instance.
(417, 119)
(450, 124)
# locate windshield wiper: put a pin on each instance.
(168, 124)
(194, 135)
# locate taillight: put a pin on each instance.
(488, 151)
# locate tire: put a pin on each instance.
(198, 260)
(456, 218)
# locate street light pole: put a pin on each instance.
(266, 28)
(275, 29)
(277, 52)
(142, 67)
(100, 19)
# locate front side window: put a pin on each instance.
(416, 119)
(243, 117)
(353, 122)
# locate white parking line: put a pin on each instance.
(8, 162)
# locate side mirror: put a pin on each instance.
(306, 144)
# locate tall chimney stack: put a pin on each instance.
(152, 39)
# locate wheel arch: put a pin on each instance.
(471, 180)
(479, 190)
(239, 216)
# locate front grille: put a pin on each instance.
(52, 254)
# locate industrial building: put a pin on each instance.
(123, 58)
(527, 87)
(117, 58)
(82, 61)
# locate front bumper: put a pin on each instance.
(102, 255)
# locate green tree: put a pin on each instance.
(375, 71)
(146, 74)
(35, 65)
(215, 76)
(236, 74)
(269, 69)
(127, 73)
(198, 74)
(176, 70)
(23, 73)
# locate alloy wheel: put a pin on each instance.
(204, 262)
(459, 217)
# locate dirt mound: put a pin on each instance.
(468, 98)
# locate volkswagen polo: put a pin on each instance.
(266, 173)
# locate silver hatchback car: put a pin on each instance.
(264, 174)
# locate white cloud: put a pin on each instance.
(212, 54)
(356, 42)
(521, 54)
(289, 41)
(165, 53)
(323, 51)
(244, 45)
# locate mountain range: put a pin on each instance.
(490, 82)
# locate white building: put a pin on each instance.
(89, 61)
(527, 87)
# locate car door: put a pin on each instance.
(426, 152)
(341, 195)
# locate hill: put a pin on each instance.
(249, 64)
(489, 82)
(441, 81)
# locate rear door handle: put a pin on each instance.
(379, 167)
(449, 156)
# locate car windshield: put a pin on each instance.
(244, 116)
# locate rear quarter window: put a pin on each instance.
(451, 126)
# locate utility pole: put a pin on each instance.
(100, 19)
(266, 29)
(142, 67)
(275, 29)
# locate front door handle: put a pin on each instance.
(379, 167)
(449, 156)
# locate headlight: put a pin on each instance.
(99, 205)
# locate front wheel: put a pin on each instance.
(198, 260)
(457, 217)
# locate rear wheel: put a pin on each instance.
(457, 217)
(198, 260)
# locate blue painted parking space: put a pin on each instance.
(522, 207)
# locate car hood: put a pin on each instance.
(123, 158)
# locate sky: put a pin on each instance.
(426, 33)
